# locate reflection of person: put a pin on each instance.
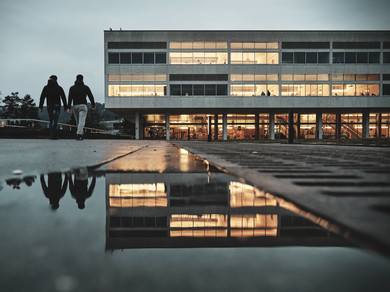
(55, 189)
(79, 188)
(78, 95)
(54, 94)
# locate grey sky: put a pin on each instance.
(44, 37)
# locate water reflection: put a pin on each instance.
(201, 209)
(79, 186)
(16, 182)
(54, 190)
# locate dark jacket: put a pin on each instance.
(54, 94)
(78, 94)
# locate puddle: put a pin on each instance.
(179, 222)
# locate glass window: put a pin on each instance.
(260, 46)
(236, 77)
(287, 77)
(222, 58)
(186, 90)
(260, 58)
(273, 45)
(373, 89)
(210, 89)
(125, 58)
(137, 58)
(386, 57)
(198, 45)
(261, 90)
(311, 58)
(175, 58)
(175, 89)
(221, 45)
(198, 58)
(361, 77)
(186, 58)
(199, 89)
(186, 45)
(373, 77)
(271, 77)
(210, 58)
(362, 57)
(250, 45)
(299, 58)
(221, 89)
(386, 89)
(361, 89)
(148, 58)
(338, 58)
(325, 90)
(287, 58)
(161, 58)
(338, 77)
(273, 90)
(350, 58)
(175, 45)
(114, 77)
(236, 90)
(272, 58)
(349, 77)
(323, 77)
(299, 77)
(373, 57)
(210, 45)
(236, 58)
(248, 77)
(236, 45)
(349, 89)
(113, 58)
(323, 58)
(248, 58)
(337, 90)
(248, 89)
(311, 77)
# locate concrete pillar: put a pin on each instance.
(319, 125)
(338, 126)
(290, 127)
(167, 125)
(215, 127)
(257, 126)
(137, 121)
(378, 125)
(366, 125)
(272, 126)
(224, 127)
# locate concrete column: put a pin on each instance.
(257, 126)
(167, 125)
(137, 118)
(378, 125)
(216, 127)
(224, 127)
(319, 125)
(366, 125)
(290, 127)
(338, 126)
(272, 126)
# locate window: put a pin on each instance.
(323, 58)
(386, 89)
(386, 57)
(198, 89)
(254, 45)
(113, 58)
(137, 77)
(148, 58)
(136, 45)
(305, 77)
(161, 58)
(338, 58)
(356, 45)
(305, 45)
(299, 58)
(137, 90)
(350, 58)
(137, 58)
(287, 58)
(373, 57)
(197, 58)
(197, 45)
(362, 58)
(311, 58)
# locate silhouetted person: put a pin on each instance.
(79, 188)
(55, 189)
(54, 94)
(78, 95)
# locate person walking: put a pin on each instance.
(54, 94)
(78, 95)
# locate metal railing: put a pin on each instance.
(34, 123)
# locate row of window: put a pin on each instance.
(244, 77)
(264, 118)
(193, 58)
(244, 90)
(246, 45)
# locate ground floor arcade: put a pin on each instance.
(257, 126)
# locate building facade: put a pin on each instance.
(247, 85)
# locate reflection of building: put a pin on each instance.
(200, 209)
(252, 84)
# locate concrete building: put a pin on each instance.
(250, 84)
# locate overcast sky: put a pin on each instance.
(65, 37)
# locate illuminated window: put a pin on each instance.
(254, 58)
(197, 45)
(137, 77)
(138, 195)
(254, 90)
(198, 58)
(137, 90)
(305, 89)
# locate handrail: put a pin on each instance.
(5, 123)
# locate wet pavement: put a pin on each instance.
(163, 219)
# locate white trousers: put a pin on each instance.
(80, 112)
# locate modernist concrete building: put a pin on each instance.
(250, 84)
